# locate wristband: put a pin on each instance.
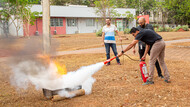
(122, 52)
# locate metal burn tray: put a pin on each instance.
(50, 93)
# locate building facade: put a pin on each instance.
(75, 19)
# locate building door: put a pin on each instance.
(119, 25)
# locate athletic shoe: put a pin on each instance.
(107, 64)
(167, 81)
(119, 63)
(148, 82)
(161, 76)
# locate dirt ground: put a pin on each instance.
(116, 85)
(83, 41)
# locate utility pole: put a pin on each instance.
(46, 34)
(46, 26)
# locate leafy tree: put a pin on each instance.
(141, 6)
(28, 18)
(120, 3)
(179, 11)
(129, 16)
(17, 11)
(10, 12)
(73, 2)
(105, 9)
(162, 7)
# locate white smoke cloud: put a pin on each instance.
(29, 71)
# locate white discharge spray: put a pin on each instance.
(26, 72)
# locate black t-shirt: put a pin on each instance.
(147, 26)
(148, 36)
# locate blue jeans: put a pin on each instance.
(113, 46)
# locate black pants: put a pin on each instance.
(141, 53)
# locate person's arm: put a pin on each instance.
(146, 52)
(128, 47)
(103, 36)
(120, 38)
(134, 51)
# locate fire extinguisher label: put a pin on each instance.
(144, 69)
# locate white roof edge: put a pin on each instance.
(77, 11)
(79, 6)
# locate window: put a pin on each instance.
(90, 22)
(72, 22)
(56, 21)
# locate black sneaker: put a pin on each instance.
(107, 64)
(167, 81)
(161, 76)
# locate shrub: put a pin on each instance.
(177, 28)
(126, 31)
(160, 29)
(173, 30)
(99, 33)
(185, 27)
(168, 29)
(156, 29)
(155, 26)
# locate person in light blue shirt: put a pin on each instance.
(108, 37)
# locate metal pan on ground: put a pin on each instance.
(53, 94)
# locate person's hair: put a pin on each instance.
(133, 30)
(109, 18)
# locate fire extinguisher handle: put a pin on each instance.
(142, 59)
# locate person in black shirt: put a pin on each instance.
(151, 39)
(142, 45)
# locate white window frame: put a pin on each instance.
(56, 22)
(90, 22)
(72, 22)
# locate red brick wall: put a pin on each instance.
(38, 27)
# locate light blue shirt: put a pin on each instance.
(109, 33)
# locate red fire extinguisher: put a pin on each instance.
(144, 71)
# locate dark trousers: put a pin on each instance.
(141, 53)
(113, 46)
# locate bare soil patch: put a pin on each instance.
(116, 85)
(89, 40)
(182, 44)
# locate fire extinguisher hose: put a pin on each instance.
(128, 55)
(131, 58)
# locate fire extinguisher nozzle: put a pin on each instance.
(105, 62)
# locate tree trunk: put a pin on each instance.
(154, 17)
(163, 24)
(16, 31)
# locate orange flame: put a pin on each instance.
(61, 69)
